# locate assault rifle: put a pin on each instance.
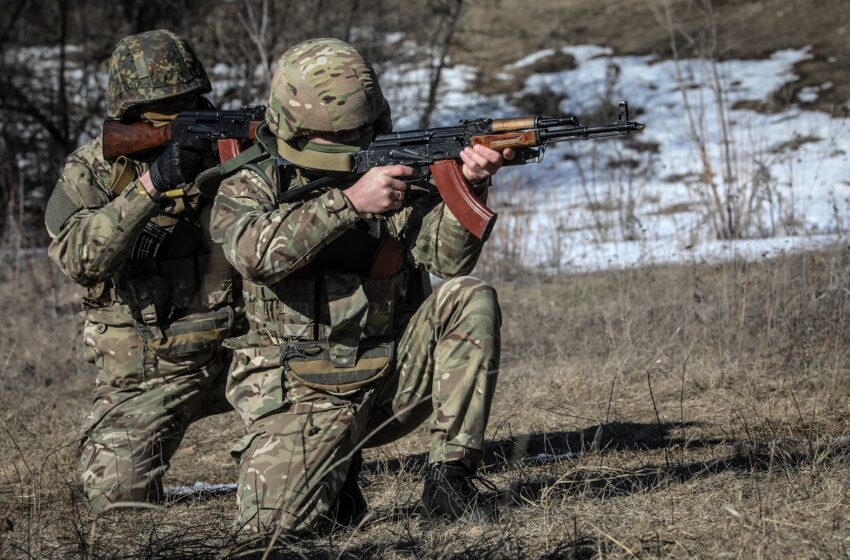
(434, 154)
(229, 129)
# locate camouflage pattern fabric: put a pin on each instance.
(325, 85)
(161, 300)
(132, 432)
(293, 462)
(295, 455)
(266, 242)
(83, 214)
(150, 67)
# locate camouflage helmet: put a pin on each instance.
(325, 85)
(152, 66)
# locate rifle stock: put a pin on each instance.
(121, 139)
(230, 129)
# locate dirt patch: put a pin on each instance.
(794, 143)
(500, 33)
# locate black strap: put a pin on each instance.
(284, 173)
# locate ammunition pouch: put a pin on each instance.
(299, 309)
(190, 335)
(181, 307)
(159, 287)
(311, 363)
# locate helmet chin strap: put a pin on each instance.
(311, 159)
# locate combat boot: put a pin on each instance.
(351, 506)
(450, 493)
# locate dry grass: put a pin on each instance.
(708, 402)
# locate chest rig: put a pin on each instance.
(353, 296)
(176, 282)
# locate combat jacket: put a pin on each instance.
(313, 270)
(150, 267)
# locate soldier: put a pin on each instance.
(161, 297)
(348, 346)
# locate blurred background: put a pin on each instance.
(746, 106)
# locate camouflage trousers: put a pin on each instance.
(135, 427)
(294, 460)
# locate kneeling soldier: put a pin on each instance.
(348, 346)
(161, 296)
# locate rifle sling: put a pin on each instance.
(207, 182)
(288, 195)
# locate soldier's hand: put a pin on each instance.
(480, 162)
(379, 190)
(179, 165)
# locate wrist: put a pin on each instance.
(146, 182)
(350, 195)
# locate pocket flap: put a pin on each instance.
(311, 364)
(194, 333)
(243, 444)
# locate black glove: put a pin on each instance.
(179, 165)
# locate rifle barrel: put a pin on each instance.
(588, 132)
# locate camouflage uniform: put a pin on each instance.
(342, 354)
(161, 297)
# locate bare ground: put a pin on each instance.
(500, 32)
(708, 404)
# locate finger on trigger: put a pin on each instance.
(397, 185)
(508, 153)
(402, 171)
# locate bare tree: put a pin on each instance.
(441, 41)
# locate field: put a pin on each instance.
(705, 408)
(698, 410)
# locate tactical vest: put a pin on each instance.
(181, 292)
(347, 306)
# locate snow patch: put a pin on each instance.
(612, 204)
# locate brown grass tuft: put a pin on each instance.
(706, 405)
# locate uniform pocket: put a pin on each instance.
(256, 385)
(311, 364)
(383, 295)
(242, 445)
(112, 344)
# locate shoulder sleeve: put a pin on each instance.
(437, 240)
(92, 233)
(265, 241)
(79, 188)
